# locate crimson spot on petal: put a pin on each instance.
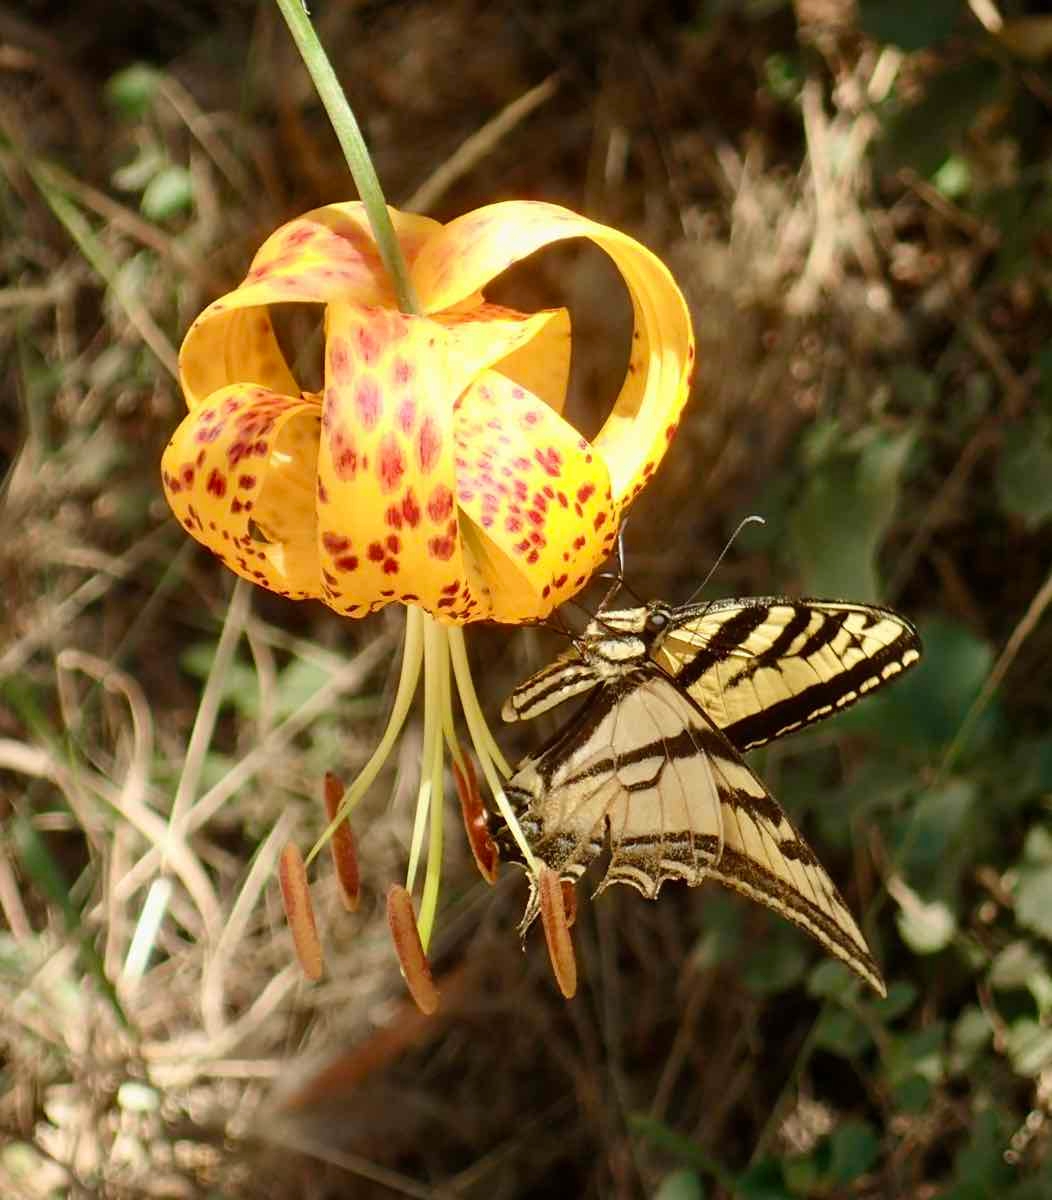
(391, 463)
(428, 444)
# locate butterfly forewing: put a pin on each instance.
(763, 667)
(568, 676)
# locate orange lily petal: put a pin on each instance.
(324, 255)
(471, 250)
(529, 348)
(387, 519)
(239, 473)
(538, 495)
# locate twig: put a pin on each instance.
(480, 144)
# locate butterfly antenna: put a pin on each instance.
(753, 519)
(555, 623)
(618, 576)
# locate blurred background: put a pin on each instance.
(856, 198)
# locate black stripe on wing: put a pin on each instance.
(724, 665)
(826, 697)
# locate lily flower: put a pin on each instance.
(435, 469)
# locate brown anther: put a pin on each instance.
(483, 847)
(343, 847)
(569, 902)
(410, 951)
(557, 930)
(299, 912)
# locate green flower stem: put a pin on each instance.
(354, 149)
(469, 700)
(438, 700)
(434, 651)
(412, 658)
(482, 739)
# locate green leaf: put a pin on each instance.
(241, 685)
(979, 1168)
(831, 980)
(1033, 899)
(762, 1181)
(132, 91)
(844, 511)
(40, 866)
(722, 940)
(972, 1033)
(911, 1095)
(937, 822)
(1037, 846)
(842, 1033)
(926, 926)
(1024, 470)
(954, 177)
(661, 1136)
(1020, 968)
(923, 136)
(779, 964)
(681, 1185)
(1029, 1046)
(168, 194)
(901, 997)
(855, 1148)
(935, 696)
(908, 24)
(918, 1053)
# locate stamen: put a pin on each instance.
(299, 912)
(412, 661)
(489, 756)
(483, 847)
(415, 968)
(557, 930)
(342, 845)
(569, 902)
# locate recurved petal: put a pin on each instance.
(660, 369)
(324, 255)
(533, 349)
(239, 473)
(536, 494)
(388, 526)
(469, 252)
(474, 248)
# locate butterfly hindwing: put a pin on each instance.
(633, 766)
(642, 766)
(765, 858)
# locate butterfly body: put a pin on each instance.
(651, 763)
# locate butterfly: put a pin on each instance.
(652, 762)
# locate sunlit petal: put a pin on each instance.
(537, 494)
(388, 526)
(240, 474)
(476, 247)
(327, 254)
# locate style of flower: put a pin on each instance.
(435, 469)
